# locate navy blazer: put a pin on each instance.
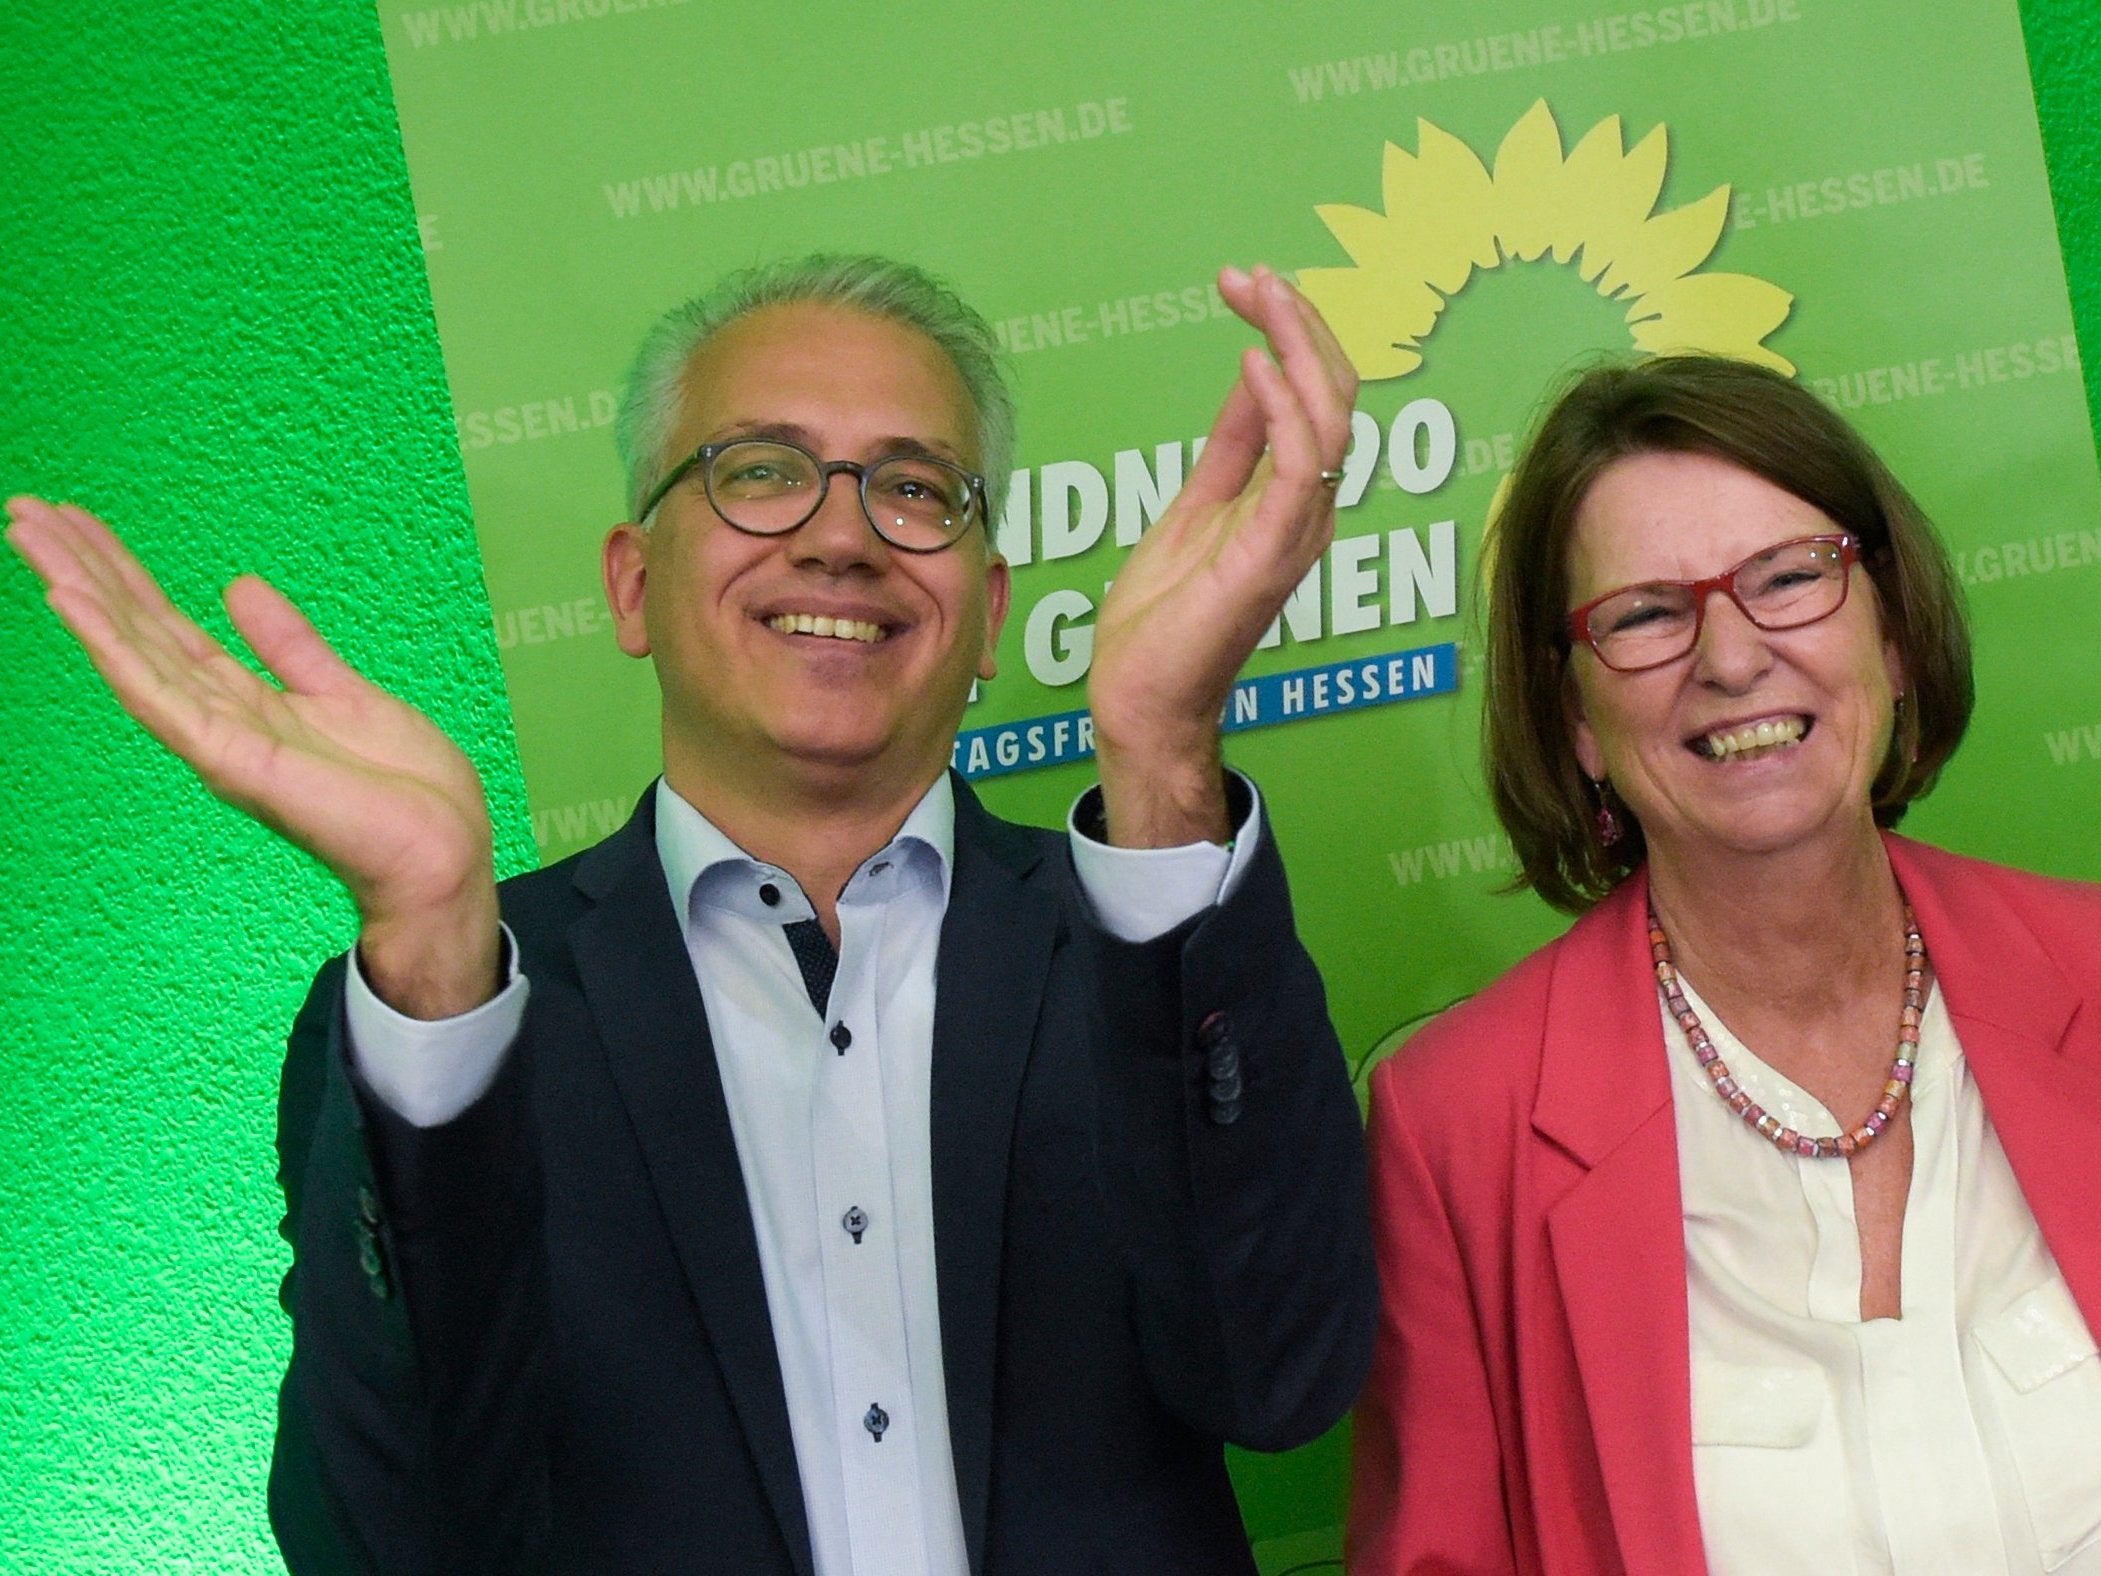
(536, 1337)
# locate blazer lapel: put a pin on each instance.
(996, 945)
(2037, 1066)
(638, 980)
(1618, 1235)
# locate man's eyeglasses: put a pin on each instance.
(767, 487)
(1783, 586)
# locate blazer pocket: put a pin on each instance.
(2046, 1384)
(1765, 1408)
(1766, 1437)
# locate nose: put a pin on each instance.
(838, 538)
(1732, 653)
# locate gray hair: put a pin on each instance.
(649, 407)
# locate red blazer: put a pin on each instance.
(1529, 1407)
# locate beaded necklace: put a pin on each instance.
(1767, 1125)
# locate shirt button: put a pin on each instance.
(842, 1037)
(876, 1420)
(769, 894)
(855, 1220)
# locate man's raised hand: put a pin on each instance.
(364, 783)
(1207, 579)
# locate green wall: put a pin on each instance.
(214, 328)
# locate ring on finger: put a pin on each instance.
(1331, 479)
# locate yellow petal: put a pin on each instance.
(1622, 198)
(1528, 185)
(1378, 318)
(1668, 246)
(1377, 243)
(1590, 166)
(1444, 199)
(1720, 314)
(1491, 532)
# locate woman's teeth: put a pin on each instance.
(1759, 738)
(830, 628)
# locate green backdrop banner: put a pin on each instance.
(1479, 196)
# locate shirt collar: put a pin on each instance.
(703, 867)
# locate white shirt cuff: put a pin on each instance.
(428, 1071)
(1140, 893)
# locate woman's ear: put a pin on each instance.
(1580, 734)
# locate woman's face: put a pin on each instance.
(1680, 742)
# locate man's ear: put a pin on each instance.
(999, 592)
(624, 565)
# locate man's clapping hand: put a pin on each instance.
(364, 783)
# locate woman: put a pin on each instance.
(1755, 1224)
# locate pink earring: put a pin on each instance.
(1609, 829)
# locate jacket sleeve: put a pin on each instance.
(1234, 1162)
(410, 1424)
(1426, 1482)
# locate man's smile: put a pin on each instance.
(829, 627)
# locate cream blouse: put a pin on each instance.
(1963, 1438)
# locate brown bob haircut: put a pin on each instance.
(1773, 428)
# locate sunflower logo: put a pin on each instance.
(1447, 215)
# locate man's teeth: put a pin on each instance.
(1756, 739)
(822, 624)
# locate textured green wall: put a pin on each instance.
(214, 327)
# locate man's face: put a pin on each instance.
(746, 696)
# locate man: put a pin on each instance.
(819, 1175)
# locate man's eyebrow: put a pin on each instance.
(795, 432)
(779, 431)
(921, 448)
